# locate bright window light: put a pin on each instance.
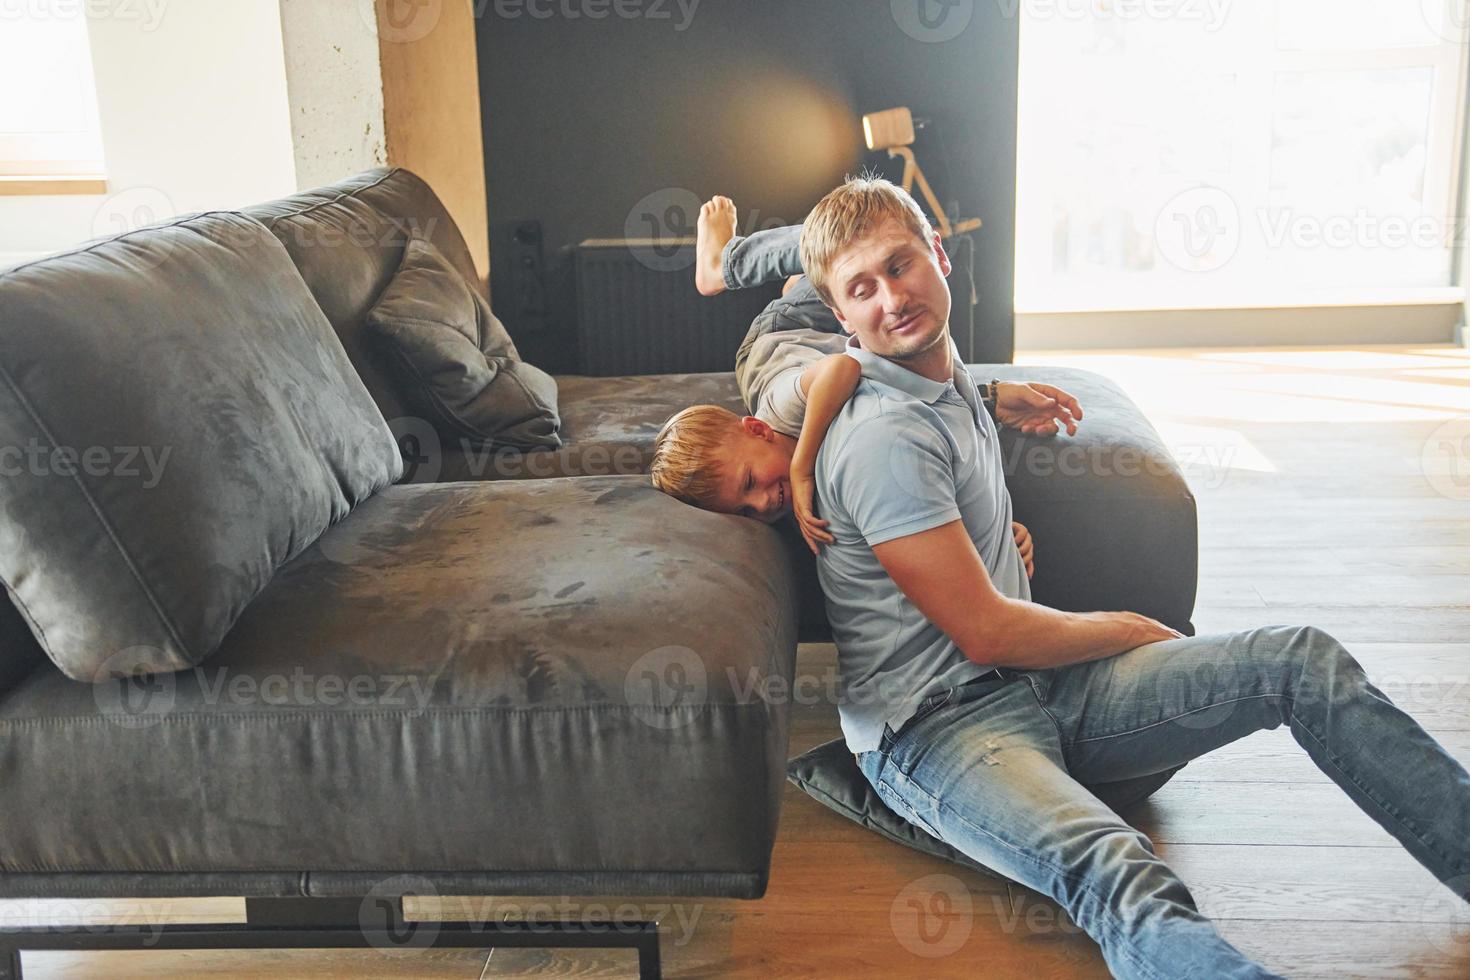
(1229, 153)
(48, 120)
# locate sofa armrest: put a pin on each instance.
(1113, 519)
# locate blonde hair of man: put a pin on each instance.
(848, 213)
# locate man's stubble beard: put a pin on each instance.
(940, 336)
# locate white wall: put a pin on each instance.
(196, 108)
(32, 226)
(334, 80)
(195, 115)
(210, 104)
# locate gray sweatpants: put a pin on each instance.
(791, 333)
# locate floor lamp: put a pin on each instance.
(893, 130)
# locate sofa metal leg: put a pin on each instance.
(649, 967)
(313, 923)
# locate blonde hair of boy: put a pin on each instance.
(847, 214)
(686, 453)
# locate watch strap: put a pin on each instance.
(988, 395)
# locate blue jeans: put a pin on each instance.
(766, 256)
(997, 770)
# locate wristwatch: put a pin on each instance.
(988, 395)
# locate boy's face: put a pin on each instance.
(755, 473)
(889, 288)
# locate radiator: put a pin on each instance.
(639, 313)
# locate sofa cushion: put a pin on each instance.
(455, 363)
(607, 428)
(347, 239)
(559, 684)
(1113, 518)
(830, 775)
(189, 423)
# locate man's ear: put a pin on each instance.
(753, 426)
(945, 267)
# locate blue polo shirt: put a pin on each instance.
(905, 455)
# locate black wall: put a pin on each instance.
(590, 121)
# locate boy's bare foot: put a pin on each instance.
(716, 228)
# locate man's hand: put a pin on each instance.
(1140, 629)
(1026, 547)
(1036, 409)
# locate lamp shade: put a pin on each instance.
(889, 128)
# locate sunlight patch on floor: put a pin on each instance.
(1305, 386)
(1325, 360)
(1210, 452)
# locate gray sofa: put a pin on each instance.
(569, 652)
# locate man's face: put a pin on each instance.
(755, 468)
(889, 289)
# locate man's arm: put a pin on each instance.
(943, 575)
(895, 479)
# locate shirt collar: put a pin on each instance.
(926, 390)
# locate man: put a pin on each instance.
(978, 715)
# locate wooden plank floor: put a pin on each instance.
(1329, 494)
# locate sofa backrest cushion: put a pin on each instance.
(455, 364)
(348, 240)
(181, 422)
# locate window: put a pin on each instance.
(1229, 153)
(51, 129)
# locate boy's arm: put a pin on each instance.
(1025, 546)
(827, 384)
